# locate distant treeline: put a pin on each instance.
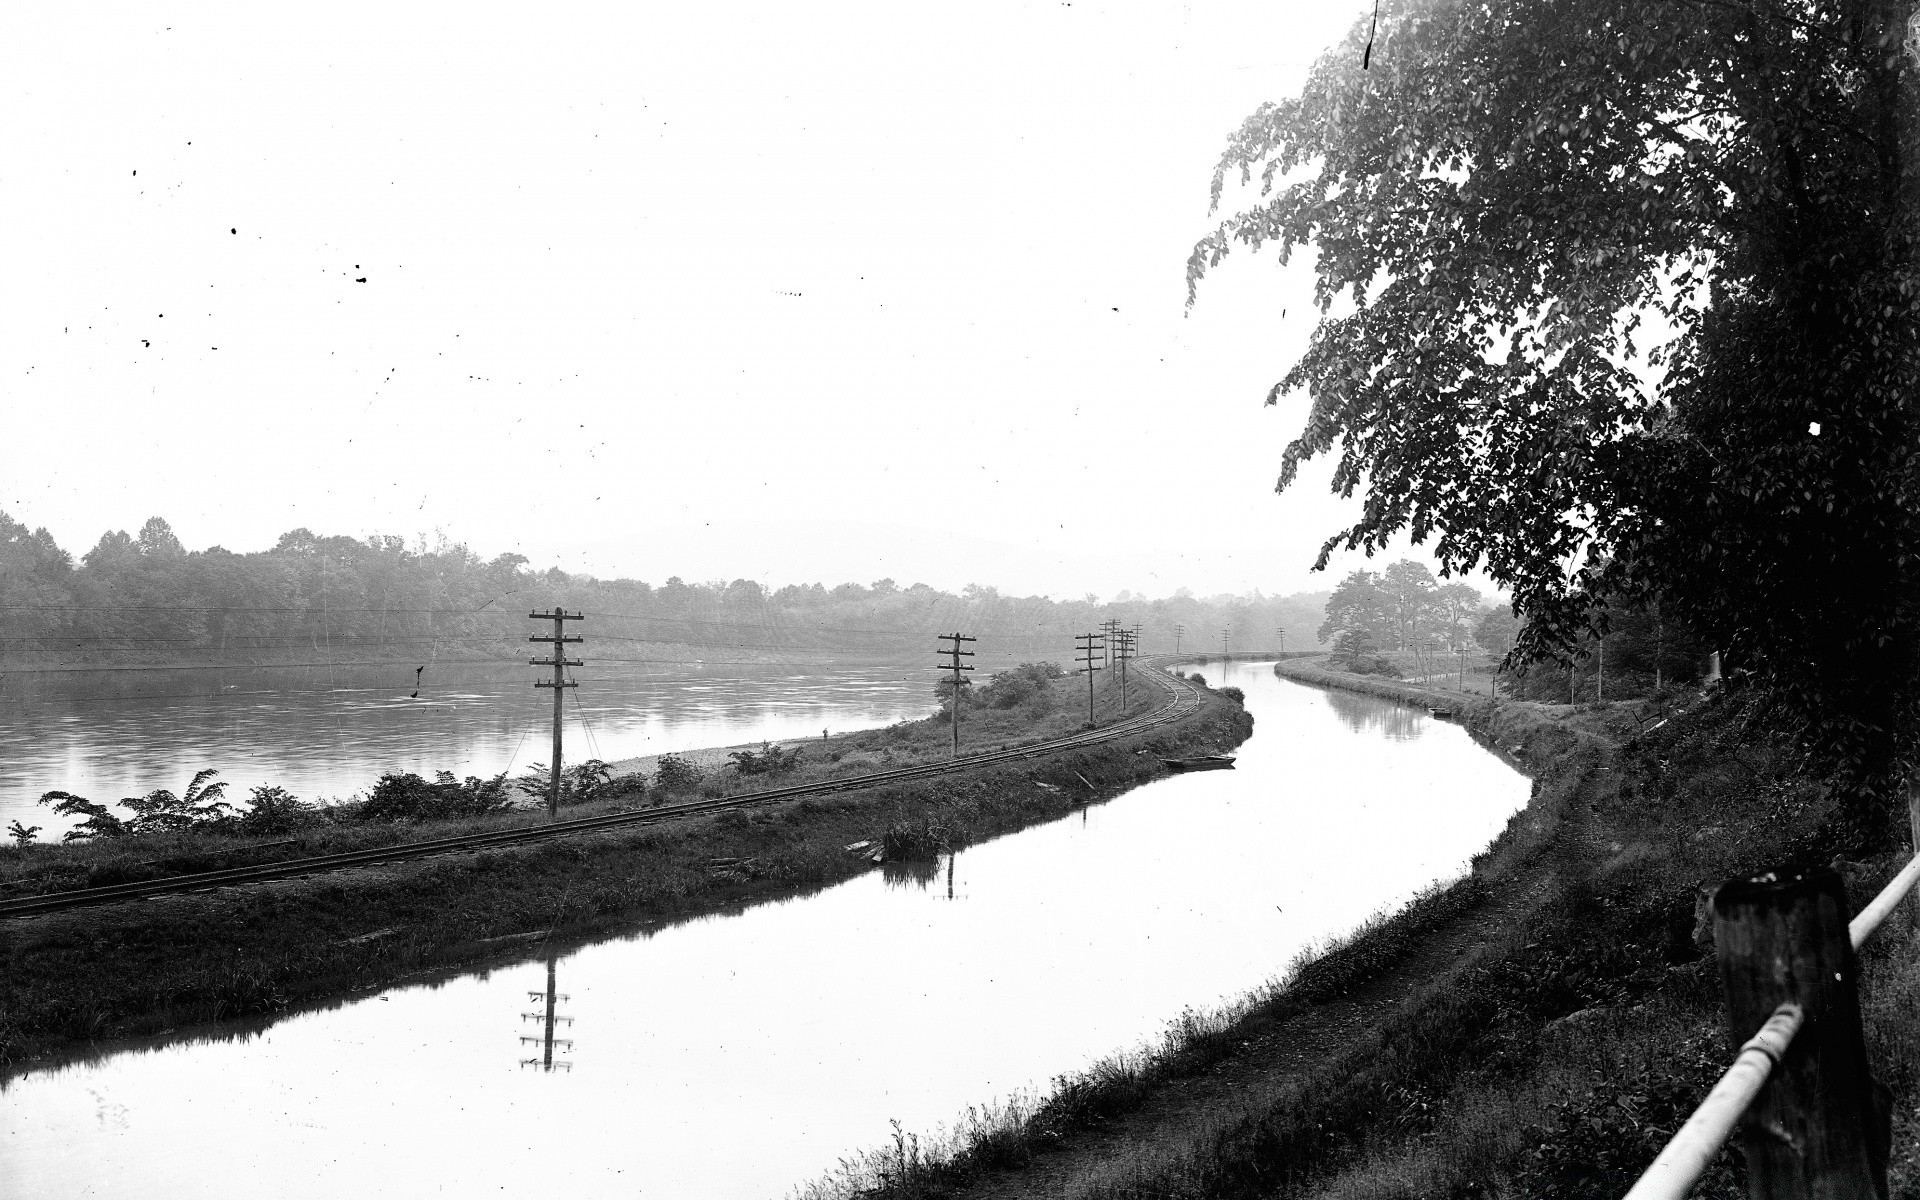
(147, 600)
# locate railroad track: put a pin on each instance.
(1182, 699)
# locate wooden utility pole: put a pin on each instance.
(1089, 647)
(559, 662)
(953, 656)
(1821, 1126)
(1108, 629)
(1223, 645)
(1177, 631)
(1123, 652)
(1282, 631)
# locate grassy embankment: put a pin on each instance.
(153, 966)
(52, 867)
(1572, 1032)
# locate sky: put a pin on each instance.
(833, 291)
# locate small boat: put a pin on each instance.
(1206, 762)
(1445, 714)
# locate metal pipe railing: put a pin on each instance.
(1692, 1149)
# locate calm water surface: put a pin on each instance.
(323, 737)
(742, 1055)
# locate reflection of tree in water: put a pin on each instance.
(1364, 714)
(918, 874)
(910, 874)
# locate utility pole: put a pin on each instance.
(1223, 645)
(559, 662)
(1089, 647)
(1282, 631)
(954, 655)
(1108, 629)
(1177, 631)
(1123, 652)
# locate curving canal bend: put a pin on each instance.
(742, 1055)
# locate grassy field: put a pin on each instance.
(169, 963)
(1537, 1029)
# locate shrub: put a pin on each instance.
(408, 797)
(908, 841)
(99, 822)
(581, 783)
(1235, 694)
(274, 810)
(1017, 685)
(771, 760)
(673, 774)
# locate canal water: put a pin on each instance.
(743, 1055)
(327, 734)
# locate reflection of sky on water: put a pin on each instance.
(324, 737)
(740, 1055)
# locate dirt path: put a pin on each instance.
(1182, 1110)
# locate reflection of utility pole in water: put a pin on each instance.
(546, 1041)
(951, 855)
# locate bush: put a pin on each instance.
(582, 783)
(1017, 685)
(1235, 694)
(908, 841)
(274, 810)
(769, 761)
(672, 774)
(408, 797)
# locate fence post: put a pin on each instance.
(1913, 828)
(1820, 1130)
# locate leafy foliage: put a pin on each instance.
(1019, 685)
(770, 760)
(407, 797)
(160, 811)
(274, 810)
(22, 835)
(673, 774)
(582, 783)
(1619, 302)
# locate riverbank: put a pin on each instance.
(163, 966)
(1537, 1028)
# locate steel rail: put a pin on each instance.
(1183, 699)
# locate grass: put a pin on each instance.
(167, 963)
(1552, 1061)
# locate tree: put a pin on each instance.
(160, 811)
(1359, 603)
(1627, 308)
(1409, 588)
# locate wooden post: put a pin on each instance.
(1913, 828)
(559, 662)
(1820, 1130)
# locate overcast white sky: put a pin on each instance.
(785, 291)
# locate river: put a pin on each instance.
(742, 1055)
(328, 733)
